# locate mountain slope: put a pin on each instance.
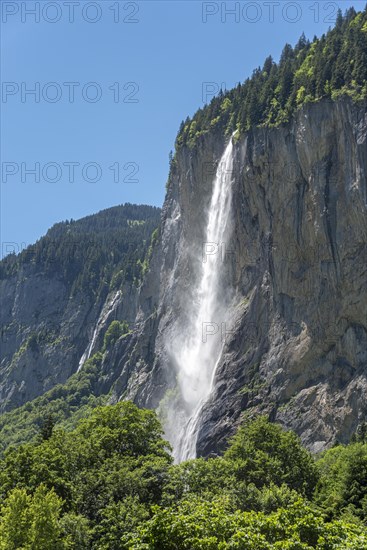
(59, 296)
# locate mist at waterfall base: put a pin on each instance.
(198, 345)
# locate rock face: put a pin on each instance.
(44, 333)
(40, 351)
(297, 264)
(48, 330)
(296, 348)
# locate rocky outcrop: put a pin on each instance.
(50, 325)
(297, 264)
(47, 333)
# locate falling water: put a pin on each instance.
(197, 356)
(90, 346)
(107, 310)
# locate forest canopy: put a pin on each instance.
(332, 66)
(109, 484)
(97, 252)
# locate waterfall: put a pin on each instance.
(88, 351)
(198, 350)
(103, 318)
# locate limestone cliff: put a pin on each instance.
(297, 264)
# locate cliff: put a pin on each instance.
(297, 267)
(59, 296)
(294, 334)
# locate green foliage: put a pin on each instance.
(62, 405)
(212, 477)
(76, 531)
(94, 483)
(360, 436)
(144, 265)
(342, 488)
(109, 484)
(93, 254)
(32, 522)
(263, 453)
(119, 519)
(47, 427)
(113, 333)
(330, 67)
(197, 524)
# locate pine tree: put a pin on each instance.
(47, 427)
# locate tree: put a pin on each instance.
(263, 453)
(360, 435)
(109, 484)
(331, 66)
(15, 521)
(47, 427)
(342, 487)
(268, 65)
(301, 44)
(113, 333)
(32, 522)
(196, 524)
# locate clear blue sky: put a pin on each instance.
(170, 50)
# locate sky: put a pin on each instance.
(93, 93)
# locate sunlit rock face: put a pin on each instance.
(295, 333)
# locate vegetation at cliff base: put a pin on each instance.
(65, 404)
(332, 66)
(109, 484)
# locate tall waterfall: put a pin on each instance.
(198, 352)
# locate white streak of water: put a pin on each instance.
(108, 308)
(196, 354)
